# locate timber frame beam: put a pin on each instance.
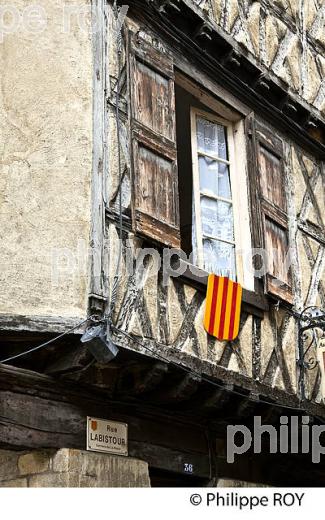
(220, 56)
(37, 412)
(40, 412)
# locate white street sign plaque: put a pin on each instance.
(107, 436)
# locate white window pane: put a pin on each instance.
(224, 181)
(214, 177)
(208, 175)
(217, 218)
(211, 138)
(219, 258)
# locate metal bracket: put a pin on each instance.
(312, 319)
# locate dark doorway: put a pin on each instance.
(161, 478)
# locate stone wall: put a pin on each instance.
(70, 468)
(231, 483)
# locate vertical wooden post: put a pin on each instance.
(98, 28)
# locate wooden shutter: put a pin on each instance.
(153, 134)
(272, 209)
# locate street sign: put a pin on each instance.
(107, 436)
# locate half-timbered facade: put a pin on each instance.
(205, 155)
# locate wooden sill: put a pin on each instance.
(253, 303)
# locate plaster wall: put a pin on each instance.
(45, 159)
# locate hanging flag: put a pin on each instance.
(223, 304)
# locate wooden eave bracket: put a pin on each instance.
(97, 303)
(163, 5)
(262, 82)
(203, 31)
(310, 122)
(232, 58)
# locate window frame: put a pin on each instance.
(238, 182)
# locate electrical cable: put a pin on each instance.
(34, 349)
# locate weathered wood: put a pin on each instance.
(138, 379)
(237, 82)
(255, 209)
(174, 356)
(311, 194)
(74, 358)
(312, 230)
(181, 391)
(48, 324)
(271, 175)
(237, 110)
(248, 406)
(171, 460)
(38, 411)
(152, 379)
(278, 359)
(272, 414)
(269, 207)
(219, 398)
(98, 11)
(153, 135)
(198, 278)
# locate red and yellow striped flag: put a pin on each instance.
(223, 304)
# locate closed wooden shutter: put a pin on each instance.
(153, 135)
(272, 210)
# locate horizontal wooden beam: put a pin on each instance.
(75, 357)
(37, 411)
(180, 391)
(138, 379)
(47, 324)
(216, 373)
(219, 398)
(253, 303)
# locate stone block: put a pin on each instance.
(61, 460)
(34, 462)
(15, 483)
(53, 480)
(8, 464)
(76, 468)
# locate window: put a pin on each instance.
(213, 212)
(212, 177)
(188, 164)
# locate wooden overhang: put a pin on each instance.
(192, 36)
(175, 416)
